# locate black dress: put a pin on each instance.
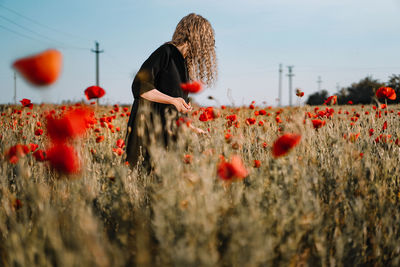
(152, 122)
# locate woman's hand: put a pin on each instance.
(181, 105)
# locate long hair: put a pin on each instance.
(201, 58)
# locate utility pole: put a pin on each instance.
(290, 75)
(280, 84)
(15, 87)
(97, 51)
(319, 83)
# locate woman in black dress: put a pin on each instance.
(158, 97)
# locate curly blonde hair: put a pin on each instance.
(201, 58)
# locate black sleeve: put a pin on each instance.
(145, 78)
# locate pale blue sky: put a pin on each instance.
(341, 41)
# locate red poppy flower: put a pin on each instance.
(384, 127)
(120, 143)
(17, 151)
(318, 123)
(385, 138)
(350, 102)
(100, 139)
(250, 121)
(386, 92)
(26, 103)
(331, 100)
(228, 137)
(257, 163)
(40, 69)
(94, 92)
(262, 112)
(71, 124)
(193, 87)
(208, 114)
(284, 144)
(264, 145)
(187, 159)
(118, 151)
(232, 117)
(40, 155)
(232, 170)
(371, 132)
(38, 132)
(299, 93)
(64, 158)
(33, 147)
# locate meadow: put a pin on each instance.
(332, 200)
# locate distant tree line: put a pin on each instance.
(362, 92)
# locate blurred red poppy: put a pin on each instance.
(318, 123)
(64, 158)
(73, 123)
(26, 103)
(94, 92)
(384, 127)
(256, 163)
(40, 69)
(120, 143)
(371, 132)
(386, 92)
(192, 87)
(100, 139)
(38, 132)
(232, 117)
(331, 100)
(232, 170)
(118, 151)
(40, 155)
(208, 114)
(187, 158)
(250, 121)
(33, 147)
(299, 93)
(17, 151)
(284, 144)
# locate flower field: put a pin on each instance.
(298, 186)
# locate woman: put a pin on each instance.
(159, 99)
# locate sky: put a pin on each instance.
(342, 41)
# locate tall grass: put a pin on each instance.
(323, 204)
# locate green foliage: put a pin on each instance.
(362, 92)
(317, 98)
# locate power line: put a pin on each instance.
(31, 31)
(43, 36)
(41, 24)
(21, 34)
